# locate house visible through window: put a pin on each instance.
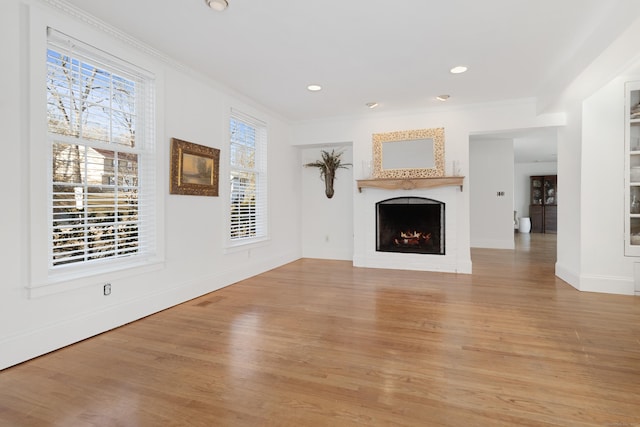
(100, 139)
(248, 207)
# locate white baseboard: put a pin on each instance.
(493, 244)
(568, 275)
(594, 283)
(323, 252)
(27, 345)
(607, 284)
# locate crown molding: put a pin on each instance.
(80, 15)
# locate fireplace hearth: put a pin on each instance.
(410, 225)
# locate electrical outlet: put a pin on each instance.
(107, 289)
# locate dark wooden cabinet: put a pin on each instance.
(551, 219)
(543, 207)
(536, 213)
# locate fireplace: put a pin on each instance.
(410, 225)
(451, 255)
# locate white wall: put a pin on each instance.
(459, 123)
(195, 262)
(521, 183)
(491, 170)
(603, 266)
(569, 245)
(590, 166)
(591, 183)
(332, 236)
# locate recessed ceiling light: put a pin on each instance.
(459, 69)
(442, 97)
(314, 88)
(371, 105)
(218, 5)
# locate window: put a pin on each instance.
(248, 169)
(100, 141)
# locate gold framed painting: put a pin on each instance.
(194, 169)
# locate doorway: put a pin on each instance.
(500, 166)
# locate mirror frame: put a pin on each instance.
(436, 134)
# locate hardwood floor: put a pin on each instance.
(320, 343)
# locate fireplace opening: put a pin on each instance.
(410, 225)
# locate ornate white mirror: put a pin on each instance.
(409, 154)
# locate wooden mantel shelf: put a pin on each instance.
(410, 183)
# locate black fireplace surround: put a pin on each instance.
(410, 225)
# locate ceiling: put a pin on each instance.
(397, 54)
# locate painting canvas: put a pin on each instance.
(194, 168)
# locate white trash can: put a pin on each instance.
(525, 225)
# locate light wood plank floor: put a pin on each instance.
(319, 343)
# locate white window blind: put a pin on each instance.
(100, 138)
(248, 169)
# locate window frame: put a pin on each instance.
(261, 168)
(42, 279)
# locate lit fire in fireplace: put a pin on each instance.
(410, 225)
(412, 238)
